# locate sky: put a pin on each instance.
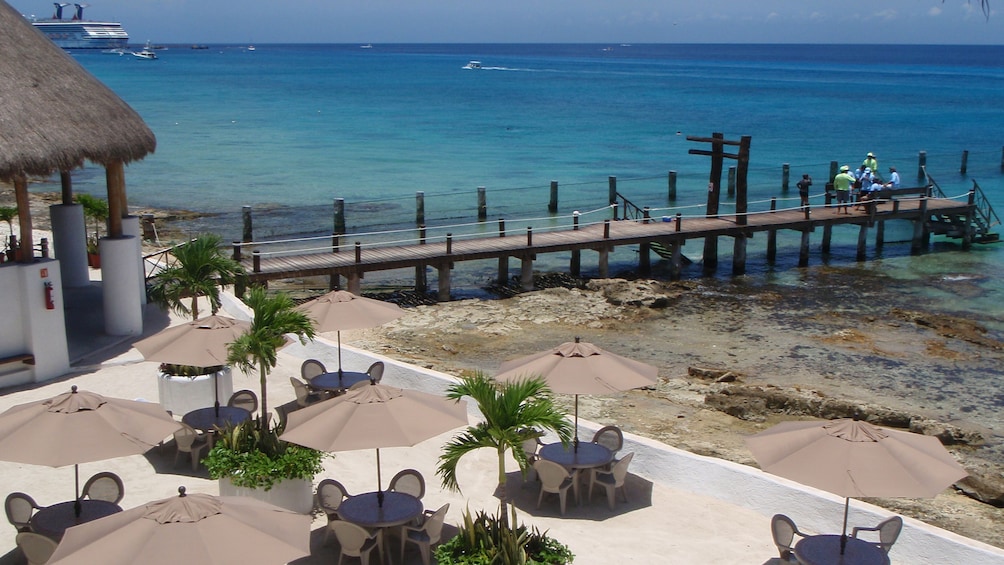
(546, 21)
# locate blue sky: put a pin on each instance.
(546, 21)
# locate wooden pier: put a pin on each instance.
(352, 260)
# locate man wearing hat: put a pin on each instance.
(893, 178)
(870, 162)
(842, 184)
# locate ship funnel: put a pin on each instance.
(59, 10)
(79, 13)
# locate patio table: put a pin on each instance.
(337, 382)
(207, 419)
(398, 508)
(825, 550)
(52, 521)
(588, 456)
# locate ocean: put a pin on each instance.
(287, 129)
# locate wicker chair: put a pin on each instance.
(104, 486)
(783, 529)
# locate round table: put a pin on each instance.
(337, 382)
(52, 521)
(207, 419)
(825, 550)
(363, 509)
(588, 456)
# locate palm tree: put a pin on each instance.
(274, 317)
(514, 411)
(201, 270)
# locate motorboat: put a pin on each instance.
(473, 65)
(367, 46)
(251, 48)
(145, 53)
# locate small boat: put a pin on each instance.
(145, 53)
(473, 65)
(367, 46)
(250, 47)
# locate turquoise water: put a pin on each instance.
(288, 128)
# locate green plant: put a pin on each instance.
(8, 214)
(201, 269)
(501, 540)
(513, 412)
(97, 210)
(188, 370)
(253, 456)
(274, 317)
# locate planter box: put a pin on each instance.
(180, 395)
(292, 494)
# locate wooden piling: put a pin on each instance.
(917, 243)
(482, 204)
(732, 182)
(785, 177)
(575, 264)
(604, 262)
(248, 234)
(237, 251)
(339, 216)
(672, 180)
(965, 162)
(503, 271)
(420, 208)
(526, 273)
(612, 190)
(676, 266)
(443, 274)
(827, 236)
(862, 252)
(833, 171)
(803, 250)
(879, 235)
(552, 204)
(355, 283)
(772, 236)
(921, 164)
(739, 255)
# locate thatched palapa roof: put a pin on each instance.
(54, 115)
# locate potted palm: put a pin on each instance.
(96, 210)
(8, 214)
(200, 269)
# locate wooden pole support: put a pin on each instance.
(552, 204)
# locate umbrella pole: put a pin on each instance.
(216, 395)
(575, 443)
(76, 486)
(843, 536)
(379, 484)
(339, 354)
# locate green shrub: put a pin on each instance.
(501, 540)
(188, 370)
(255, 458)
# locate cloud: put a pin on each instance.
(773, 16)
(887, 15)
(934, 11)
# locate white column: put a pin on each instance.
(119, 271)
(43, 324)
(69, 243)
(130, 226)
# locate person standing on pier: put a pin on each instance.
(803, 188)
(842, 184)
(871, 162)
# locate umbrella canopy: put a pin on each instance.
(374, 416)
(195, 529)
(200, 343)
(580, 368)
(854, 458)
(341, 310)
(80, 427)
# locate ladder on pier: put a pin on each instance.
(978, 225)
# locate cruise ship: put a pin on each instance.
(78, 33)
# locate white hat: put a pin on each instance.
(868, 169)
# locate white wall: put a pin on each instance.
(27, 326)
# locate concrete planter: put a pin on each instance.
(292, 494)
(182, 394)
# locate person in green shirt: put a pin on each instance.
(842, 184)
(871, 162)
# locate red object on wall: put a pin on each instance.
(50, 304)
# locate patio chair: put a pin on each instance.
(375, 372)
(330, 494)
(105, 486)
(303, 395)
(530, 447)
(245, 399)
(611, 480)
(188, 440)
(783, 529)
(408, 481)
(610, 437)
(355, 541)
(554, 479)
(888, 530)
(20, 507)
(311, 368)
(36, 547)
(426, 535)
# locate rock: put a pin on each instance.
(707, 373)
(947, 433)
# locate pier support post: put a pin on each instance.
(575, 264)
(334, 282)
(917, 244)
(803, 250)
(739, 256)
(672, 180)
(965, 162)
(644, 259)
(862, 242)
(921, 164)
(772, 236)
(732, 182)
(710, 254)
(482, 204)
(785, 177)
(611, 190)
(339, 216)
(967, 237)
(503, 273)
(526, 273)
(676, 266)
(355, 283)
(879, 235)
(552, 204)
(420, 208)
(421, 279)
(833, 173)
(827, 236)
(443, 274)
(248, 234)
(604, 265)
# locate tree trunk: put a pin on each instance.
(264, 391)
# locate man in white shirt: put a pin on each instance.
(893, 178)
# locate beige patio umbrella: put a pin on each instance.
(199, 343)
(580, 368)
(80, 427)
(372, 417)
(194, 529)
(854, 458)
(341, 310)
